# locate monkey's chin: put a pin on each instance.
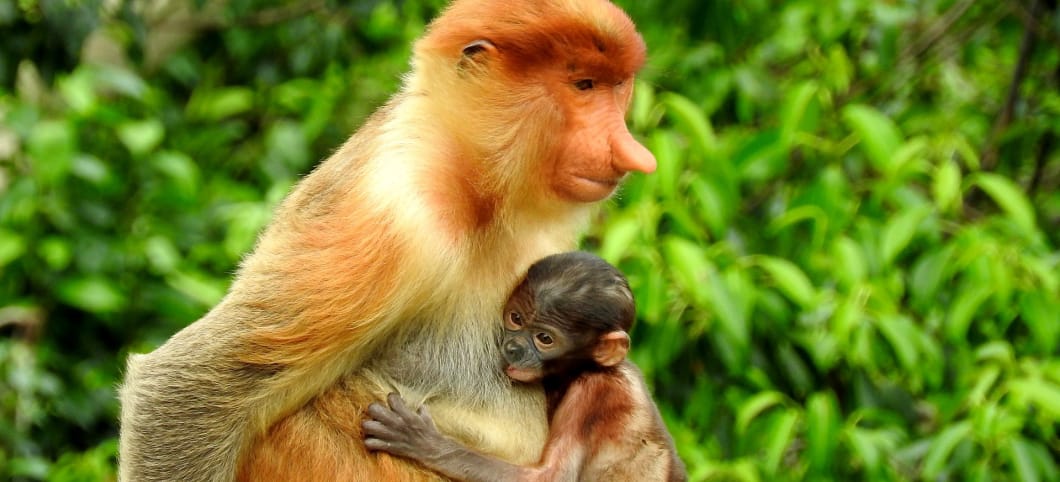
(524, 375)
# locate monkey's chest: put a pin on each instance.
(447, 358)
(459, 375)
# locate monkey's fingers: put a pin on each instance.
(410, 418)
(380, 445)
(397, 404)
(425, 414)
(384, 415)
(379, 431)
(376, 444)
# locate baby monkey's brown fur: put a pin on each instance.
(567, 325)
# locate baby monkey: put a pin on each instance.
(566, 325)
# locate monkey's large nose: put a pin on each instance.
(630, 155)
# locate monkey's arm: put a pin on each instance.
(400, 431)
(304, 309)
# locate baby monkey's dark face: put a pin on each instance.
(538, 343)
(569, 314)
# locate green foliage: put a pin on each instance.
(846, 264)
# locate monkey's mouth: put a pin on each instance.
(588, 189)
(526, 375)
(604, 183)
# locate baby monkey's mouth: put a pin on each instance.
(521, 374)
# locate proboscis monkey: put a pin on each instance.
(566, 325)
(382, 271)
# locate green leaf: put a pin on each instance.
(1042, 393)
(78, 90)
(181, 170)
(964, 308)
(798, 214)
(692, 121)
(848, 316)
(880, 137)
(726, 303)
(52, 146)
(983, 384)
(667, 162)
(1041, 314)
(689, 266)
(12, 246)
(161, 254)
(928, 274)
(245, 222)
(91, 169)
(716, 209)
(942, 447)
(762, 157)
(849, 263)
(1009, 196)
(794, 108)
(201, 288)
(822, 431)
(863, 447)
(618, 237)
(790, 279)
(700, 280)
(55, 251)
(141, 137)
(217, 104)
(92, 293)
(754, 406)
(286, 142)
(899, 232)
(997, 351)
(947, 186)
(902, 335)
(1022, 461)
(643, 103)
(778, 439)
(794, 369)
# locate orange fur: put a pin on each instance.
(468, 201)
(323, 442)
(386, 267)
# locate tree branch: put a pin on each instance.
(1004, 118)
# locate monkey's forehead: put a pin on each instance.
(585, 34)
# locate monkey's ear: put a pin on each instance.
(478, 47)
(474, 55)
(611, 348)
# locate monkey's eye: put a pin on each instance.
(515, 318)
(583, 84)
(544, 338)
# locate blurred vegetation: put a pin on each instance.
(846, 264)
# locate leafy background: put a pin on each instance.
(846, 264)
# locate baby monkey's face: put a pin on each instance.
(527, 343)
(537, 343)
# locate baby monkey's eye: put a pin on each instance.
(544, 338)
(515, 318)
(583, 84)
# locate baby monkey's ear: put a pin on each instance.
(611, 348)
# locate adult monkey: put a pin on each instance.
(383, 270)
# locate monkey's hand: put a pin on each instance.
(400, 431)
